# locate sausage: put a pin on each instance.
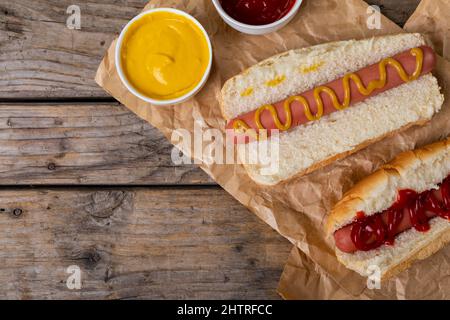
(343, 238)
(367, 74)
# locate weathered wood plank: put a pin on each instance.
(136, 243)
(85, 144)
(40, 57)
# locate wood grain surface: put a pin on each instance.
(136, 243)
(41, 58)
(85, 144)
(109, 198)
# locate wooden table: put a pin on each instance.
(85, 182)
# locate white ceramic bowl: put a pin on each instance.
(257, 29)
(130, 87)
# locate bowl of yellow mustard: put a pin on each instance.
(163, 56)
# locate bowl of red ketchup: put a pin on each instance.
(257, 17)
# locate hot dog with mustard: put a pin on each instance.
(339, 94)
(328, 101)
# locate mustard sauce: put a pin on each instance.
(164, 55)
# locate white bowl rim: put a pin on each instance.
(226, 16)
(130, 87)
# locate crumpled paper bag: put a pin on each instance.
(303, 279)
(296, 209)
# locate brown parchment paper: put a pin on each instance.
(303, 279)
(295, 209)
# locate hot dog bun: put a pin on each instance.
(308, 147)
(419, 170)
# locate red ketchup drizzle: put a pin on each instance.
(370, 232)
(257, 12)
(395, 216)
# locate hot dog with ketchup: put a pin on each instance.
(401, 68)
(398, 214)
(327, 102)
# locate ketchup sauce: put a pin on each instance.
(371, 232)
(257, 12)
